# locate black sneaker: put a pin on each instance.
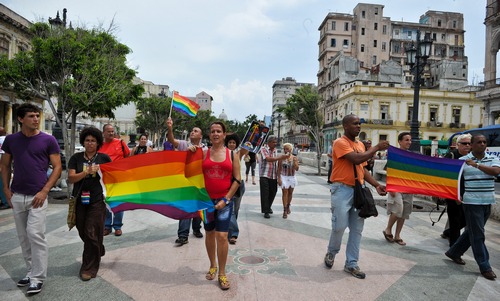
(198, 234)
(34, 288)
(266, 215)
(24, 282)
(329, 260)
(181, 241)
(356, 272)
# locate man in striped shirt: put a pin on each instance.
(268, 180)
(479, 176)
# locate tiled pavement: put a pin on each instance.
(274, 259)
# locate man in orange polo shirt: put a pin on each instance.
(116, 149)
(348, 152)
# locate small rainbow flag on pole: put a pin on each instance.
(184, 105)
(168, 182)
(409, 172)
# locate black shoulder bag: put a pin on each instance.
(363, 198)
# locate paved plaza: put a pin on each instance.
(274, 259)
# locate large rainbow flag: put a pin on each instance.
(168, 182)
(184, 105)
(409, 172)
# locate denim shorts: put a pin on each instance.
(222, 218)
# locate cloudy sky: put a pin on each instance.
(236, 49)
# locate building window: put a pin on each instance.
(4, 46)
(362, 47)
(396, 48)
(443, 37)
(374, 60)
(384, 46)
(363, 107)
(375, 26)
(384, 112)
(439, 23)
(382, 137)
(409, 34)
(346, 26)
(375, 43)
(456, 40)
(334, 25)
(376, 10)
(434, 36)
(456, 115)
(363, 31)
(410, 114)
(432, 114)
(454, 24)
(396, 32)
(363, 14)
(384, 29)
(333, 43)
(361, 64)
(346, 43)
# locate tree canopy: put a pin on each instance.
(303, 108)
(77, 71)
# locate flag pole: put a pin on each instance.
(171, 105)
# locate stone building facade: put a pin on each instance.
(362, 70)
(14, 38)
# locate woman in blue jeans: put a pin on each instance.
(232, 142)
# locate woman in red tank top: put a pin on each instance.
(222, 179)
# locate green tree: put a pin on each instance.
(77, 71)
(152, 113)
(302, 108)
(186, 123)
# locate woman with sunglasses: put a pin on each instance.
(456, 219)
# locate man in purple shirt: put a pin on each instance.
(32, 151)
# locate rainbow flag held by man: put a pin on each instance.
(184, 105)
(168, 182)
(413, 173)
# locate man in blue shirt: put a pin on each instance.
(479, 179)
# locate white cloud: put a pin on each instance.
(241, 99)
(235, 50)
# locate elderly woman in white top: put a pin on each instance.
(286, 177)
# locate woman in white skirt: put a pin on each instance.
(286, 177)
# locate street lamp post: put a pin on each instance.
(279, 128)
(417, 59)
(272, 124)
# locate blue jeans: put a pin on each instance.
(344, 215)
(475, 219)
(115, 222)
(234, 230)
(184, 224)
(2, 195)
(330, 165)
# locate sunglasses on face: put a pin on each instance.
(464, 143)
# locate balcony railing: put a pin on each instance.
(408, 123)
(378, 121)
(434, 124)
(457, 125)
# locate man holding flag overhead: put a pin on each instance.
(349, 154)
(182, 145)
